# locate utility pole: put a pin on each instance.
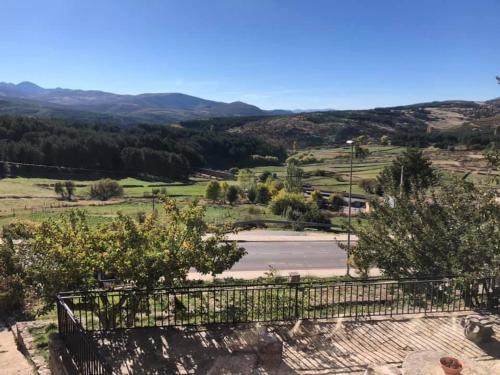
(401, 182)
(350, 142)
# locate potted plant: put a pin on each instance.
(451, 366)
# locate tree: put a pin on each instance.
(284, 202)
(264, 176)
(232, 194)
(454, 231)
(416, 171)
(212, 191)
(60, 190)
(385, 140)
(252, 194)
(370, 186)
(336, 201)
(70, 189)
(492, 156)
(65, 253)
(317, 199)
(106, 189)
(360, 152)
(294, 174)
(12, 285)
(65, 189)
(246, 179)
(223, 189)
(263, 194)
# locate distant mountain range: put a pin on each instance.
(29, 99)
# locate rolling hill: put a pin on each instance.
(27, 98)
(443, 123)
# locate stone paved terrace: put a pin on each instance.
(327, 347)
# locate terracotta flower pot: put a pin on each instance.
(451, 366)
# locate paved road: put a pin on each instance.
(291, 255)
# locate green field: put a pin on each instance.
(34, 198)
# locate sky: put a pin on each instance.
(289, 54)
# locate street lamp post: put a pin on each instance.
(349, 142)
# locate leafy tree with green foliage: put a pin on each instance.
(252, 194)
(264, 176)
(294, 175)
(232, 194)
(246, 179)
(452, 231)
(65, 253)
(371, 186)
(213, 191)
(284, 202)
(263, 194)
(360, 152)
(65, 189)
(106, 189)
(418, 173)
(317, 199)
(59, 189)
(70, 189)
(385, 140)
(336, 201)
(492, 156)
(12, 285)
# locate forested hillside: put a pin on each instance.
(143, 149)
(442, 124)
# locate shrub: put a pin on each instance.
(232, 194)
(285, 201)
(275, 186)
(252, 194)
(263, 194)
(336, 202)
(234, 170)
(319, 172)
(317, 199)
(371, 186)
(212, 191)
(106, 189)
(264, 176)
(313, 215)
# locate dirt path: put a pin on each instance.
(11, 360)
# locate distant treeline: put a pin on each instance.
(157, 150)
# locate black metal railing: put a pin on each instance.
(80, 343)
(218, 304)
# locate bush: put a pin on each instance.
(252, 194)
(263, 194)
(106, 189)
(371, 186)
(285, 202)
(232, 194)
(11, 294)
(264, 176)
(313, 215)
(336, 202)
(319, 172)
(213, 190)
(317, 199)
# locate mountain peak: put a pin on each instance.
(150, 107)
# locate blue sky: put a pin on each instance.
(272, 53)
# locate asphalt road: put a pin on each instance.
(291, 255)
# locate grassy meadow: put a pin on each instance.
(34, 198)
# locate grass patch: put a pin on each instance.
(41, 338)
